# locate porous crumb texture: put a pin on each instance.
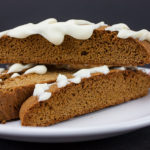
(94, 93)
(14, 91)
(103, 48)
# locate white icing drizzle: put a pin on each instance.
(86, 73)
(39, 69)
(120, 68)
(15, 68)
(145, 70)
(2, 70)
(18, 67)
(124, 32)
(55, 31)
(1, 80)
(62, 81)
(15, 75)
(40, 91)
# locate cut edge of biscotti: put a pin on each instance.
(105, 46)
(62, 101)
(14, 91)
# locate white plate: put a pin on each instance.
(101, 124)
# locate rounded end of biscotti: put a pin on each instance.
(27, 107)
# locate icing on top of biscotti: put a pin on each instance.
(124, 32)
(15, 75)
(40, 91)
(62, 81)
(18, 67)
(39, 69)
(86, 73)
(55, 31)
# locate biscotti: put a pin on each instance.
(14, 91)
(75, 42)
(69, 98)
(38, 53)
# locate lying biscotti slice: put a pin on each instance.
(91, 94)
(103, 47)
(14, 91)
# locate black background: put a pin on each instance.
(135, 13)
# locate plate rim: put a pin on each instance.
(58, 132)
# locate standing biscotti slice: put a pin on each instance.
(68, 98)
(75, 42)
(14, 91)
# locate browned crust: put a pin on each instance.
(31, 106)
(103, 48)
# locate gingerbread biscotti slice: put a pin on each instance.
(85, 93)
(75, 42)
(14, 91)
